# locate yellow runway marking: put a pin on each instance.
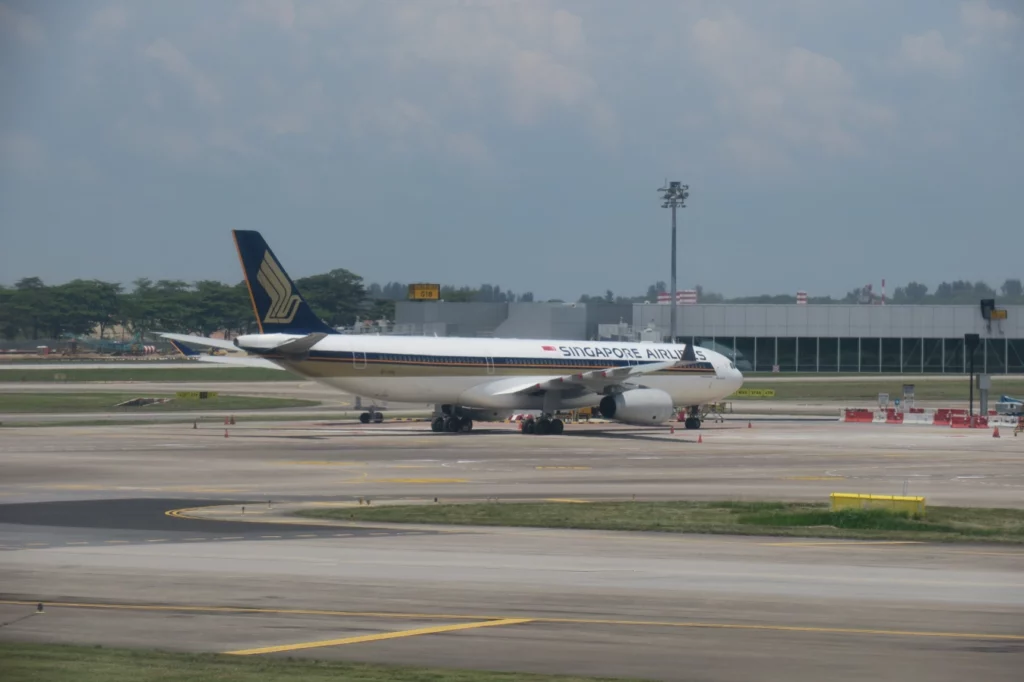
(499, 620)
(812, 478)
(565, 468)
(322, 463)
(841, 543)
(379, 637)
(566, 500)
(233, 537)
(418, 480)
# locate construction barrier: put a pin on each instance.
(911, 505)
(948, 417)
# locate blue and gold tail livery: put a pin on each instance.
(278, 305)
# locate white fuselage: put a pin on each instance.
(472, 372)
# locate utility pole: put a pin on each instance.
(674, 196)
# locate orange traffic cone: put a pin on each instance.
(671, 428)
(750, 425)
(995, 434)
(225, 433)
(700, 438)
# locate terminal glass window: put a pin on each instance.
(870, 358)
(932, 355)
(765, 354)
(807, 354)
(954, 361)
(828, 355)
(891, 356)
(787, 355)
(745, 353)
(849, 355)
(911, 355)
(726, 345)
(995, 356)
(1015, 355)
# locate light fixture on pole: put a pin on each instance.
(674, 196)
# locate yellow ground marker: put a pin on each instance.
(418, 480)
(378, 637)
(564, 468)
(812, 478)
(566, 500)
(847, 543)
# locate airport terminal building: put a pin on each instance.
(908, 339)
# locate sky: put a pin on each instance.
(827, 144)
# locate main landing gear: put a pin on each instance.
(451, 424)
(693, 418)
(372, 416)
(543, 426)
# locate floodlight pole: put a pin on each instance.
(971, 342)
(674, 196)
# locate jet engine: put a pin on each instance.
(641, 407)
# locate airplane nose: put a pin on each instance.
(736, 379)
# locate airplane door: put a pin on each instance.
(359, 359)
(490, 365)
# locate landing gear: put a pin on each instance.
(693, 419)
(543, 426)
(375, 417)
(451, 424)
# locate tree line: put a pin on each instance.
(32, 309)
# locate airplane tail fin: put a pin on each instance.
(278, 305)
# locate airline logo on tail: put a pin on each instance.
(283, 303)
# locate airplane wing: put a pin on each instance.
(200, 340)
(599, 379)
(238, 362)
(177, 340)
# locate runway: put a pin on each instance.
(84, 527)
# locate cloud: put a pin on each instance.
(23, 26)
(177, 64)
(780, 99)
(984, 23)
(928, 52)
(104, 22)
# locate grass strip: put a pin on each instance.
(51, 402)
(64, 663)
(944, 524)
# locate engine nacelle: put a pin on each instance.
(641, 406)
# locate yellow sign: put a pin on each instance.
(756, 392)
(195, 395)
(424, 292)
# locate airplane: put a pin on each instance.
(476, 379)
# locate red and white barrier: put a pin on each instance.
(948, 417)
